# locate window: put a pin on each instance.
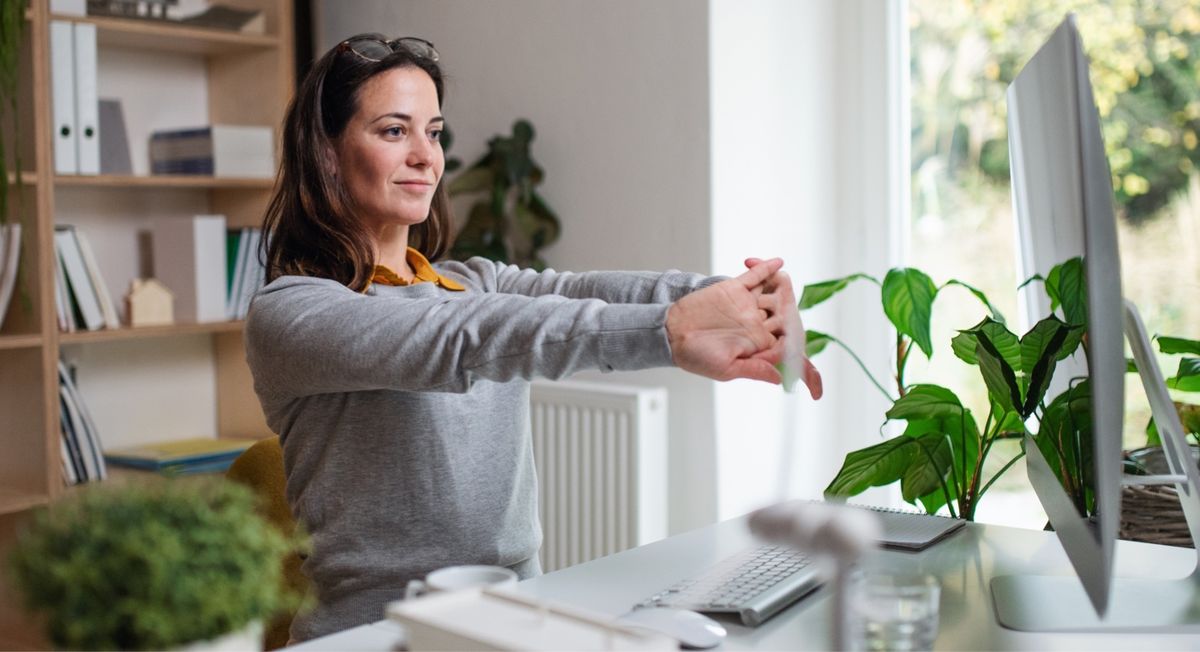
(1144, 61)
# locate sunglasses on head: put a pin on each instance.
(373, 48)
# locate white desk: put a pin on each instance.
(965, 563)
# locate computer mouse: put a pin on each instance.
(693, 630)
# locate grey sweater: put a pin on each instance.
(404, 412)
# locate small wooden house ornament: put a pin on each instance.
(149, 303)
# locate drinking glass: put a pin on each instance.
(895, 611)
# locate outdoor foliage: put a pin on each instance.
(151, 566)
(1145, 58)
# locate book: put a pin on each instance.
(10, 254)
(237, 244)
(72, 461)
(62, 297)
(179, 453)
(189, 258)
(252, 274)
(219, 150)
(114, 140)
(78, 280)
(86, 436)
(111, 320)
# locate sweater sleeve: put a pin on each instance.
(309, 336)
(611, 287)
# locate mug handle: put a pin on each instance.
(415, 589)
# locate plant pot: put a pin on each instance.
(249, 637)
(1153, 513)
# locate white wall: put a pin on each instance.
(690, 134)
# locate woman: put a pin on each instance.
(398, 387)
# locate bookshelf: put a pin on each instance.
(166, 76)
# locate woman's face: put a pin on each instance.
(390, 155)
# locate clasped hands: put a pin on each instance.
(743, 328)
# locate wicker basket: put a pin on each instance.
(1153, 514)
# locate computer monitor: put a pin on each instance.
(1063, 203)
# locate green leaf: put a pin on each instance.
(815, 342)
(1009, 422)
(818, 292)
(1067, 286)
(929, 467)
(926, 402)
(935, 500)
(1152, 436)
(996, 314)
(965, 444)
(1178, 345)
(1040, 349)
(1031, 279)
(1005, 341)
(908, 303)
(1187, 379)
(998, 375)
(474, 179)
(1130, 366)
(874, 466)
(1064, 438)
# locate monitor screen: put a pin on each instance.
(1063, 203)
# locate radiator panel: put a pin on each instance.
(601, 455)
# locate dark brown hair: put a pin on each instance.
(310, 228)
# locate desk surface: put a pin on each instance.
(965, 564)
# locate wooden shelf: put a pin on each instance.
(20, 341)
(144, 332)
(171, 181)
(12, 501)
(165, 37)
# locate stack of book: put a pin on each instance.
(82, 300)
(10, 254)
(182, 456)
(246, 272)
(82, 460)
(217, 150)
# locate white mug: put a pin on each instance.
(453, 578)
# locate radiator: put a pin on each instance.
(601, 454)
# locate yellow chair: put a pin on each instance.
(260, 467)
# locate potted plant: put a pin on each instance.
(511, 222)
(153, 565)
(939, 457)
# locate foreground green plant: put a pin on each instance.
(939, 458)
(151, 566)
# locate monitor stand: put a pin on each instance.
(1059, 603)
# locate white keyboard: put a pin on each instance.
(754, 584)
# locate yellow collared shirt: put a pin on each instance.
(423, 272)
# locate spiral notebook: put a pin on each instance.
(905, 530)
